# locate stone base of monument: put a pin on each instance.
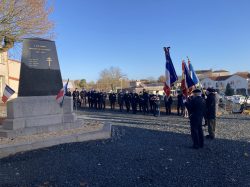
(34, 115)
(37, 122)
(87, 132)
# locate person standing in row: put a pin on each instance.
(168, 103)
(134, 101)
(151, 102)
(197, 109)
(103, 100)
(211, 112)
(141, 101)
(112, 100)
(83, 95)
(68, 93)
(75, 98)
(156, 103)
(120, 100)
(180, 104)
(145, 101)
(127, 98)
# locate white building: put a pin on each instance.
(236, 81)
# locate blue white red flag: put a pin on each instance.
(8, 92)
(62, 92)
(192, 73)
(170, 73)
(186, 82)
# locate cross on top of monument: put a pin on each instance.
(49, 60)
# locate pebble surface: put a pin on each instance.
(143, 151)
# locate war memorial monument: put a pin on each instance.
(36, 110)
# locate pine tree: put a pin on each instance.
(229, 91)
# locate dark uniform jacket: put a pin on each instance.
(120, 98)
(180, 100)
(211, 106)
(197, 109)
(127, 97)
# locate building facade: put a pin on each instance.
(237, 82)
(3, 71)
(9, 74)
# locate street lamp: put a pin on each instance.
(121, 82)
(247, 86)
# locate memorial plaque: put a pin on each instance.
(40, 71)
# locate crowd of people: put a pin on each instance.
(197, 106)
(126, 101)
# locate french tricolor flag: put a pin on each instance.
(60, 95)
(8, 92)
(170, 73)
(186, 82)
(192, 73)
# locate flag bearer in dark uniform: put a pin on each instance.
(197, 109)
(120, 100)
(211, 112)
(127, 100)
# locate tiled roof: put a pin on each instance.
(217, 71)
(245, 75)
(203, 71)
(222, 78)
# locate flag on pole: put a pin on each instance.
(8, 92)
(186, 82)
(192, 73)
(170, 73)
(60, 95)
(184, 87)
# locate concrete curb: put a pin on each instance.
(104, 133)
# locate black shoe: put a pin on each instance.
(208, 137)
(194, 147)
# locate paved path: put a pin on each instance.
(143, 151)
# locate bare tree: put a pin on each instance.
(23, 18)
(111, 78)
(151, 80)
(162, 78)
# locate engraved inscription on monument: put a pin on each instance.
(40, 72)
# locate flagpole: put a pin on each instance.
(198, 79)
(61, 104)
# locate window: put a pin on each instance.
(2, 58)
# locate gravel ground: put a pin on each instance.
(143, 151)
